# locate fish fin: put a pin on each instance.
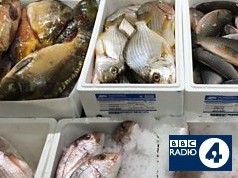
(20, 65)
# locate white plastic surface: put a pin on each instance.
(32, 138)
(66, 107)
(169, 97)
(195, 93)
(70, 129)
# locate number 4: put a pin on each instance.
(214, 153)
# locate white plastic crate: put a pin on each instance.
(32, 138)
(201, 99)
(157, 99)
(70, 129)
(56, 108)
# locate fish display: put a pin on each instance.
(215, 41)
(12, 165)
(141, 38)
(110, 155)
(34, 64)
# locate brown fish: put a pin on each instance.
(10, 13)
(212, 23)
(25, 42)
(122, 134)
(78, 152)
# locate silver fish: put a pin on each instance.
(158, 12)
(212, 23)
(147, 50)
(78, 152)
(122, 134)
(195, 16)
(229, 29)
(223, 47)
(209, 76)
(105, 165)
(215, 62)
(128, 12)
(11, 162)
(110, 62)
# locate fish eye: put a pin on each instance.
(101, 156)
(156, 77)
(87, 137)
(114, 70)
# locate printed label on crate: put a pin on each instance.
(200, 153)
(127, 103)
(221, 105)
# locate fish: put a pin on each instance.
(11, 162)
(230, 82)
(129, 12)
(223, 47)
(84, 15)
(209, 76)
(195, 16)
(197, 78)
(122, 134)
(10, 13)
(78, 152)
(126, 28)
(212, 23)
(216, 63)
(145, 50)
(168, 32)
(110, 62)
(46, 73)
(47, 19)
(229, 29)
(231, 36)
(207, 7)
(25, 41)
(104, 165)
(157, 12)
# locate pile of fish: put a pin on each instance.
(95, 155)
(42, 47)
(12, 165)
(137, 45)
(215, 42)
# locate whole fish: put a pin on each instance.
(207, 7)
(229, 29)
(78, 152)
(10, 13)
(12, 164)
(110, 62)
(146, 51)
(46, 73)
(128, 12)
(215, 62)
(158, 13)
(104, 165)
(48, 18)
(123, 132)
(223, 47)
(84, 16)
(25, 41)
(195, 16)
(209, 76)
(212, 23)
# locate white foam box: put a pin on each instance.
(129, 100)
(69, 130)
(32, 138)
(66, 107)
(204, 100)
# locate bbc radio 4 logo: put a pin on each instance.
(200, 153)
